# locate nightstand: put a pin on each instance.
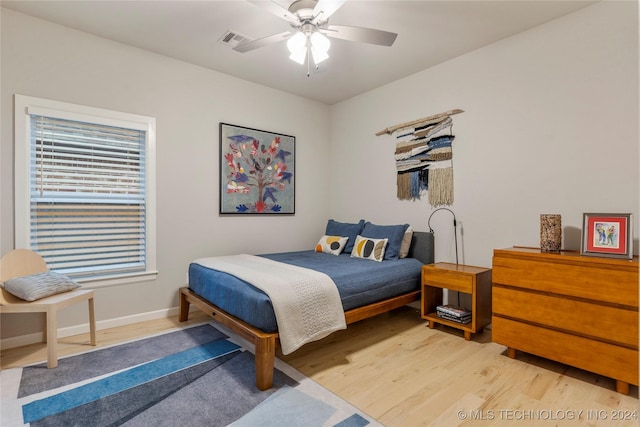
(475, 281)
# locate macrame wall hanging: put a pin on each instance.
(424, 157)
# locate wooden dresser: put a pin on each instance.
(577, 310)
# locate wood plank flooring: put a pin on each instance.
(402, 373)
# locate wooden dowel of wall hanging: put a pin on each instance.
(421, 122)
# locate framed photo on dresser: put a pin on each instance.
(607, 234)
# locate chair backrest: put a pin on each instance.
(17, 263)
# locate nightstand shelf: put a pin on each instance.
(475, 281)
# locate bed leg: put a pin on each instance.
(265, 361)
(184, 308)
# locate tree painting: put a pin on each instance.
(257, 171)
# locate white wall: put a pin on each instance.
(49, 61)
(550, 126)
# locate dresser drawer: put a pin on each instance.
(607, 323)
(619, 363)
(447, 279)
(581, 280)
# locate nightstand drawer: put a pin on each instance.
(446, 279)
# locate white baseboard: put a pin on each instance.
(37, 337)
(21, 340)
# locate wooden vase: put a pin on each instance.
(550, 232)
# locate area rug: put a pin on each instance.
(197, 376)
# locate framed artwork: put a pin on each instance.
(257, 171)
(608, 235)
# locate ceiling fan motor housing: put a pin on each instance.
(303, 9)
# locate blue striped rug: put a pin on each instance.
(197, 376)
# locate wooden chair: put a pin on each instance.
(23, 262)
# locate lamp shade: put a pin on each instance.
(297, 45)
(319, 47)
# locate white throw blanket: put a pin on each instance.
(306, 302)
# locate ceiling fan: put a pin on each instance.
(310, 22)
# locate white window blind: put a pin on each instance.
(90, 206)
(87, 196)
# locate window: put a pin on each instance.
(85, 190)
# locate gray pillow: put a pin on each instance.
(392, 232)
(41, 285)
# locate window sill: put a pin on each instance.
(125, 279)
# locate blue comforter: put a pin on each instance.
(359, 282)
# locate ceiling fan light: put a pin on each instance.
(319, 55)
(320, 42)
(319, 47)
(299, 56)
(297, 43)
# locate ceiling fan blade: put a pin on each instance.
(360, 34)
(276, 10)
(324, 9)
(265, 41)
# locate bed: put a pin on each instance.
(366, 288)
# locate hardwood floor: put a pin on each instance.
(402, 373)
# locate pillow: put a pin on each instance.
(406, 243)
(392, 232)
(41, 285)
(368, 248)
(335, 228)
(331, 244)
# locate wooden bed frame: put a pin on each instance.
(265, 342)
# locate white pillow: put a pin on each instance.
(41, 285)
(369, 248)
(331, 244)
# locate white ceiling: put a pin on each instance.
(429, 32)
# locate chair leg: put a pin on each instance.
(44, 327)
(52, 337)
(92, 322)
